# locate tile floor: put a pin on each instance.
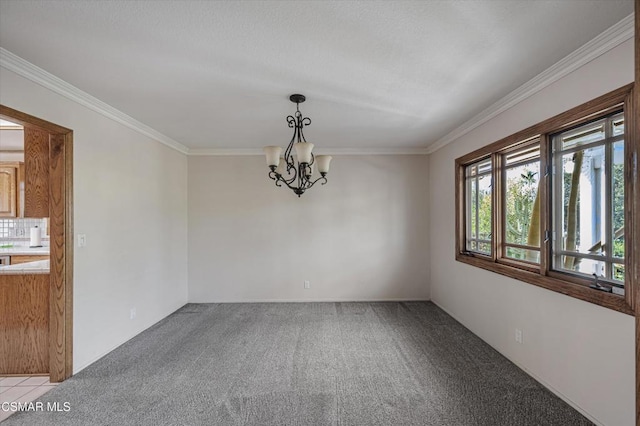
(21, 389)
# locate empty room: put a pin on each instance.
(319, 213)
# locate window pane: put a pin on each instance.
(478, 206)
(618, 199)
(585, 266)
(617, 205)
(618, 272)
(583, 135)
(484, 207)
(473, 190)
(617, 124)
(484, 248)
(523, 156)
(522, 220)
(583, 202)
(523, 254)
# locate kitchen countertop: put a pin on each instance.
(37, 267)
(24, 250)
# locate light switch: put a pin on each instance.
(82, 240)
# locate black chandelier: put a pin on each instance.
(284, 170)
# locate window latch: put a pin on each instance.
(596, 285)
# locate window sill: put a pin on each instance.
(578, 291)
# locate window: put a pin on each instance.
(478, 190)
(588, 200)
(521, 240)
(549, 205)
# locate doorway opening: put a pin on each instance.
(58, 207)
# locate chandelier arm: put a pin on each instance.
(293, 188)
(302, 123)
(323, 178)
(298, 131)
(288, 157)
(279, 180)
(293, 178)
(291, 120)
(276, 178)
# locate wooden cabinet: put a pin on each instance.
(24, 187)
(15, 260)
(8, 185)
(24, 303)
(11, 189)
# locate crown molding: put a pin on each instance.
(47, 80)
(610, 38)
(221, 152)
(215, 152)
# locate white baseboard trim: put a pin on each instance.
(77, 369)
(308, 300)
(530, 373)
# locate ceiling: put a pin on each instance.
(377, 75)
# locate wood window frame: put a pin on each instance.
(543, 276)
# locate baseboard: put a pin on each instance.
(530, 373)
(309, 300)
(76, 370)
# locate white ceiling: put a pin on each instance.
(217, 75)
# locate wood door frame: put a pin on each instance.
(61, 241)
(635, 273)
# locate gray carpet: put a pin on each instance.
(304, 364)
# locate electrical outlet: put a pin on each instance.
(518, 335)
(307, 285)
(82, 240)
(132, 313)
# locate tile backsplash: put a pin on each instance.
(19, 229)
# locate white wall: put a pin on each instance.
(130, 200)
(12, 140)
(363, 236)
(582, 351)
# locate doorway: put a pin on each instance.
(60, 213)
